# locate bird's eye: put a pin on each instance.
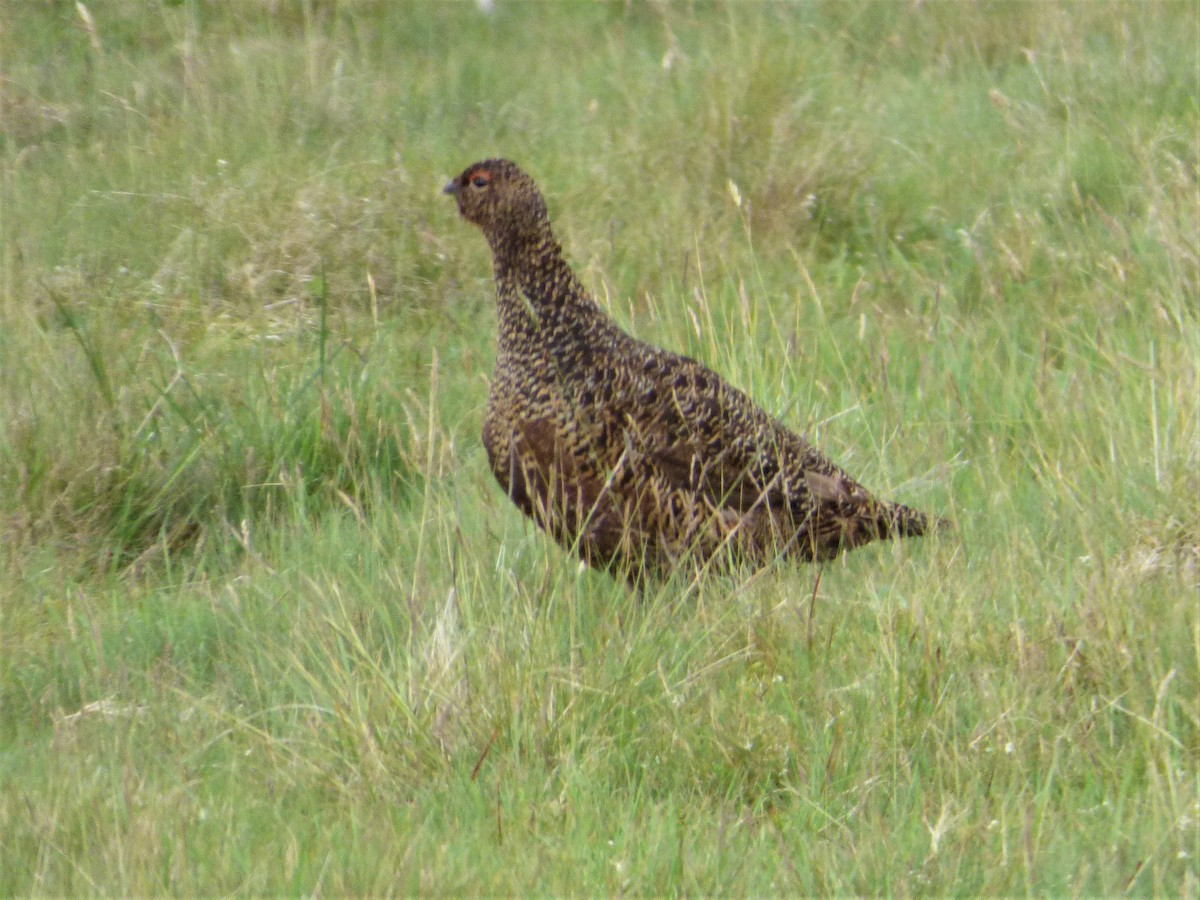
(481, 180)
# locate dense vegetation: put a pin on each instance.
(267, 625)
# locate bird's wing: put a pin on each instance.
(705, 436)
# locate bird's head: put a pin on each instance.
(502, 200)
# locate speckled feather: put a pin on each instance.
(632, 456)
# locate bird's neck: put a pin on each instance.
(539, 298)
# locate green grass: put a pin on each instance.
(267, 626)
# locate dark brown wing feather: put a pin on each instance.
(711, 440)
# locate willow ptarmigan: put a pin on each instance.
(633, 457)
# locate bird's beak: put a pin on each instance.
(450, 188)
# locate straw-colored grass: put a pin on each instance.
(267, 626)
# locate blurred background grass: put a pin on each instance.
(268, 626)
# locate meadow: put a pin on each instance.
(267, 624)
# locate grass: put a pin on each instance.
(267, 625)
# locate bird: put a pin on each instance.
(635, 458)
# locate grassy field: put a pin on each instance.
(267, 626)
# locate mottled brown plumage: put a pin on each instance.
(629, 455)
